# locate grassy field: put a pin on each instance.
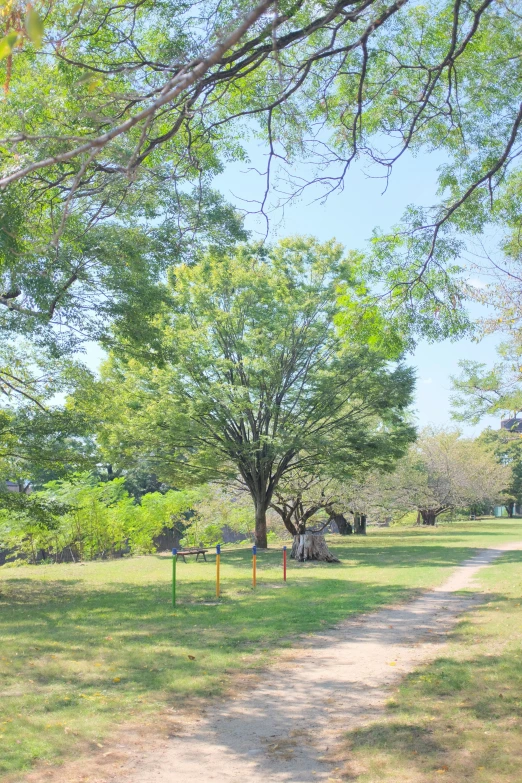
(459, 718)
(84, 647)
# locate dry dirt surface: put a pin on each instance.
(287, 726)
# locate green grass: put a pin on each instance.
(459, 718)
(84, 647)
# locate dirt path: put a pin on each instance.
(286, 729)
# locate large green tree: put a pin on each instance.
(257, 378)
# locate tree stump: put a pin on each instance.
(312, 546)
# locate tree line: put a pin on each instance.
(269, 381)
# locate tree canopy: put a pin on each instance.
(105, 105)
(256, 377)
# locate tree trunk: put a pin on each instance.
(260, 532)
(343, 526)
(428, 517)
(312, 546)
(359, 524)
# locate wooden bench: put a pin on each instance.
(191, 551)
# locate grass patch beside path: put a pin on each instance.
(460, 718)
(84, 647)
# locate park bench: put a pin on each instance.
(191, 551)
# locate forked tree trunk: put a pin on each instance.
(359, 524)
(312, 546)
(429, 517)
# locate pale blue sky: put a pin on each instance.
(350, 216)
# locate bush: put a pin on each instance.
(103, 521)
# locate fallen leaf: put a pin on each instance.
(392, 663)
(191, 657)
(117, 679)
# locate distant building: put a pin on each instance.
(14, 486)
(513, 425)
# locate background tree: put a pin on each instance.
(304, 496)
(258, 381)
(481, 391)
(298, 498)
(40, 440)
(443, 471)
(507, 447)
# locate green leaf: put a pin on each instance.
(7, 44)
(34, 26)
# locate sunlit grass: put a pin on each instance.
(83, 647)
(459, 718)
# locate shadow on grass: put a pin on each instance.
(65, 617)
(83, 657)
(442, 717)
(463, 712)
(91, 658)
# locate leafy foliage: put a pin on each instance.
(257, 379)
(125, 114)
(443, 471)
(507, 447)
(96, 520)
(480, 391)
(40, 439)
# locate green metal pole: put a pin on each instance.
(174, 560)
